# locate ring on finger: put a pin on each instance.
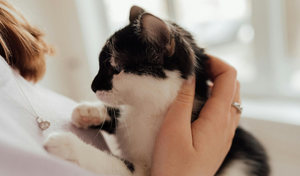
(238, 106)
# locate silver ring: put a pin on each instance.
(238, 106)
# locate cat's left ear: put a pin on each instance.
(135, 12)
(156, 30)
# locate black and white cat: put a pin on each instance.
(142, 68)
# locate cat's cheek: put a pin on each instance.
(120, 83)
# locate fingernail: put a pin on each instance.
(191, 80)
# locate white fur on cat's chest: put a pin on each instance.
(136, 134)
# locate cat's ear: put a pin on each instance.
(135, 12)
(155, 30)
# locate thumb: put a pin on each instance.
(178, 118)
(186, 94)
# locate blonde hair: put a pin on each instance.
(22, 45)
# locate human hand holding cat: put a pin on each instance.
(199, 148)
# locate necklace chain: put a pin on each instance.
(43, 125)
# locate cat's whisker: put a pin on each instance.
(102, 124)
(113, 98)
(97, 132)
(109, 53)
(130, 117)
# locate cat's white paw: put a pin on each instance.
(87, 114)
(64, 145)
(69, 147)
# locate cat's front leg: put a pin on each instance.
(88, 114)
(69, 147)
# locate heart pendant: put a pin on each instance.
(44, 125)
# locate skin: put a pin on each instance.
(199, 148)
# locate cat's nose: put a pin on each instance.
(102, 82)
(94, 85)
(94, 88)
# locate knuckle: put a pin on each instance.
(185, 96)
(233, 70)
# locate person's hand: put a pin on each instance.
(199, 148)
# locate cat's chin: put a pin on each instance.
(106, 98)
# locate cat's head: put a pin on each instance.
(146, 61)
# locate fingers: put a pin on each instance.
(215, 116)
(224, 79)
(174, 138)
(177, 121)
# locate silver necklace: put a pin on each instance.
(43, 124)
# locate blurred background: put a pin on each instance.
(261, 38)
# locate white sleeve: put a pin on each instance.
(21, 140)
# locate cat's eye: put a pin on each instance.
(118, 69)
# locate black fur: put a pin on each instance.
(129, 165)
(247, 149)
(134, 55)
(110, 126)
(102, 81)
